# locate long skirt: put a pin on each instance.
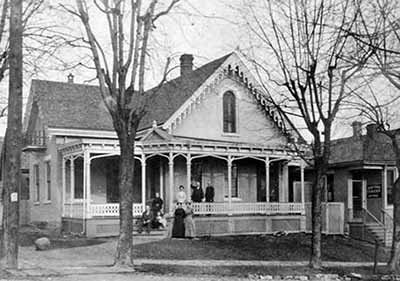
(178, 229)
(190, 230)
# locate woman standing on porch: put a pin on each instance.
(178, 229)
(190, 231)
(181, 195)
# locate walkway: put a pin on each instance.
(97, 259)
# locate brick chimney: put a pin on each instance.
(186, 64)
(357, 129)
(70, 78)
(371, 129)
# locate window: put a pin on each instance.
(390, 182)
(78, 169)
(235, 188)
(48, 180)
(229, 112)
(36, 176)
(330, 189)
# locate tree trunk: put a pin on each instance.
(393, 263)
(123, 255)
(13, 139)
(316, 210)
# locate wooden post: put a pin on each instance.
(87, 161)
(188, 174)
(72, 184)
(229, 185)
(63, 186)
(143, 163)
(171, 181)
(267, 179)
(162, 180)
(13, 139)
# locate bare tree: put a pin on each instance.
(379, 28)
(121, 77)
(302, 50)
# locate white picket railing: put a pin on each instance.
(216, 208)
(268, 208)
(99, 210)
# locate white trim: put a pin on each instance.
(208, 86)
(47, 165)
(81, 133)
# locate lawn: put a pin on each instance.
(293, 247)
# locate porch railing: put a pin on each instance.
(268, 208)
(99, 210)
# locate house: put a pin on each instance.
(208, 125)
(362, 174)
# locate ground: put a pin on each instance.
(293, 247)
(217, 258)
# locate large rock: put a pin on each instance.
(42, 243)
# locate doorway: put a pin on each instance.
(357, 199)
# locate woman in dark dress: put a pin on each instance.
(178, 229)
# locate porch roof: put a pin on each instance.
(179, 145)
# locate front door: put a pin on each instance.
(357, 199)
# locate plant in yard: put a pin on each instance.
(379, 29)
(303, 51)
(121, 70)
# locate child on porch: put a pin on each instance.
(145, 220)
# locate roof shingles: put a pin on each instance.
(78, 106)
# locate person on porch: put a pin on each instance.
(181, 195)
(145, 221)
(197, 194)
(190, 231)
(210, 193)
(157, 204)
(178, 228)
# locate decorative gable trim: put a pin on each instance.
(226, 70)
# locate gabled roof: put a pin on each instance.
(78, 106)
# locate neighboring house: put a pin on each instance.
(208, 125)
(362, 174)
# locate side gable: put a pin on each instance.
(201, 115)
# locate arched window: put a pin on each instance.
(229, 112)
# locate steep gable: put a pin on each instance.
(259, 122)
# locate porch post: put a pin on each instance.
(229, 185)
(384, 188)
(84, 194)
(63, 185)
(143, 163)
(267, 179)
(161, 180)
(87, 163)
(72, 179)
(283, 184)
(171, 181)
(302, 182)
(188, 174)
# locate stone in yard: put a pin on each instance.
(42, 243)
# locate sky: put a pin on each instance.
(204, 28)
(208, 29)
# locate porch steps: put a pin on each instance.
(154, 233)
(378, 232)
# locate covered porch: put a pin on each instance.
(248, 180)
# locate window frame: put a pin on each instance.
(36, 182)
(394, 176)
(48, 181)
(234, 119)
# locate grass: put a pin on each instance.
(293, 247)
(244, 271)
